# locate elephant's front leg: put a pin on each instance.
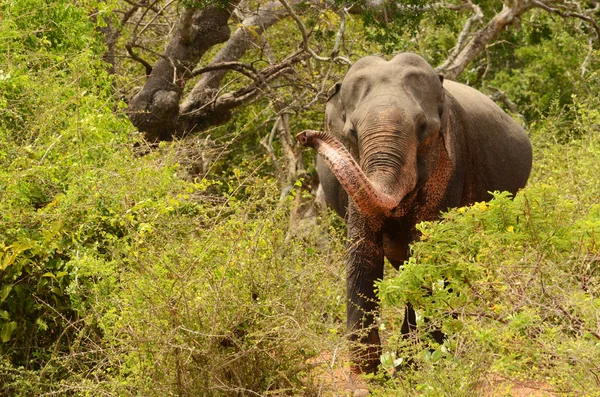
(364, 265)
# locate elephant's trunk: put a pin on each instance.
(368, 197)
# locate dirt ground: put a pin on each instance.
(334, 378)
(498, 386)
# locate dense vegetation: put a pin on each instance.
(130, 267)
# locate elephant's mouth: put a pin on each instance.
(368, 197)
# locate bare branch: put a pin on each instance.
(155, 109)
(243, 95)
(233, 50)
(141, 5)
(245, 69)
(240, 41)
(126, 16)
(500, 96)
(215, 110)
(137, 58)
(302, 29)
(433, 7)
(267, 143)
(465, 52)
(577, 322)
(305, 43)
(568, 14)
(338, 40)
(148, 8)
(112, 34)
(466, 30)
(511, 11)
(588, 57)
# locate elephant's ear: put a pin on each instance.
(333, 91)
(445, 126)
(443, 103)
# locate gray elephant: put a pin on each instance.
(403, 145)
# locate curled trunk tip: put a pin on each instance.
(311, 137)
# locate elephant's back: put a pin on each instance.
(482, 111)
(498, 151)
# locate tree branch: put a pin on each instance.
(158, 14)
(463, 53)
(568, 14)
(141, 5)
(305, 43)
(588, 57)
(245, 69)
(137, 58)
(216, 111)
(511, 11)
(302, 29)
(111, 35)
(155, 109)
(466, 30)
(239, 42)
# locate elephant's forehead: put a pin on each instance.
(405, 59)
(388, 72)
(388, 77)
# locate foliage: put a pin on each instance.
(52, 141)
(229, 304)
(123, 273)
(515, 284)
(117, 276)
(397, 31)
(552, 56)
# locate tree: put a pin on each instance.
(165, 107)
(286, 53)
(105, 253)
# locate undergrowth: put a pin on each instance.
(514, 284)
(118, 276)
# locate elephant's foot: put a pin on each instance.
(365, 354)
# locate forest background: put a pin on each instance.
(161, 233)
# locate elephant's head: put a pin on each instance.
(388, 114)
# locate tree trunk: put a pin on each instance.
(205, 90)
(155, 109)
(511, 11)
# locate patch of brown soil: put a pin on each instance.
(495, 386)
(331, 376)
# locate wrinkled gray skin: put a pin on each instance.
(424, 145)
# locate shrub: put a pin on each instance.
(215, 300)
(515, 284)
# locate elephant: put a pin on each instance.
(401, 145)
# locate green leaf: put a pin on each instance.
(60, 275)
(56, 291)
(4, 292)
(7, 330)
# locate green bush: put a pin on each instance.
(116, 275)
(546, 53)
(57, 132)
(515, 284)
(120, 277)
(173, 293)
(228, 305)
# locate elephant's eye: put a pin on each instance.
(353, 133)
(422, 130)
